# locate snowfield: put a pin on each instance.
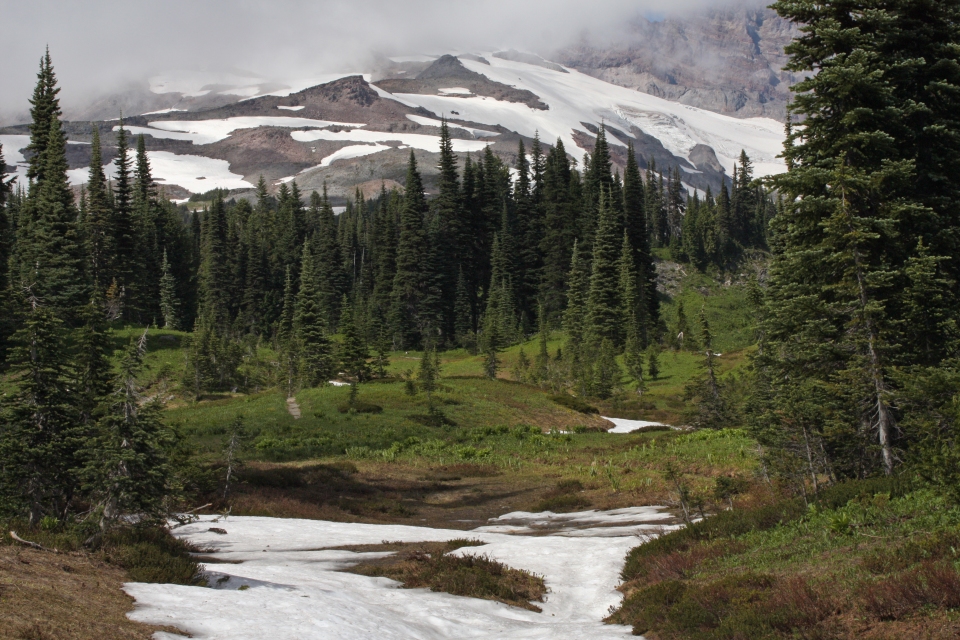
(12, 145)
(296, 591)
(415, 140)
(196, 174)
(574, 98)
(210, 131)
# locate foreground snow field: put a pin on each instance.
(295, 589)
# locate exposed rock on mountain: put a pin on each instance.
(447, 72)
(725, 60)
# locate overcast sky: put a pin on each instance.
(101, 44)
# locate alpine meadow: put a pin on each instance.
(655, 334)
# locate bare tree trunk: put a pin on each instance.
(885, 422)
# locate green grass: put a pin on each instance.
(864, 555)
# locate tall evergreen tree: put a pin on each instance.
(44, 110)
(41, 434)
(310, 327)
(124, 226)
(98, 231)
(127, 468)
(603, 312)
(409, 282)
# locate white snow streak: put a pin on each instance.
(196, 174)
(415, 140)
(629, 426)
(210, 131)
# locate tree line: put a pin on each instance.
(498, 254)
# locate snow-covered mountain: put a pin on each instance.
(356, 130)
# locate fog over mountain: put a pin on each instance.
(109, 47)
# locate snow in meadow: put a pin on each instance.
(629, 426)
(12, 156)
(295, 589)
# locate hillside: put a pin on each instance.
(350, 132)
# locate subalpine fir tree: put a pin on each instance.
(310, 326)
(574, 320)
(214, 277)
(607, 374)
(97, 230)
(124, 226)
(463, 312)
(44, 110)
(409, 280)
(559, 230)
(636, 226)
(603, 311)
(863, 187)
(169, 303)
(92, 366)
(708, 407)
(353, 352)
(286, 340)
(127, 469)
(50, 251)
(148, 259)
(42, 426)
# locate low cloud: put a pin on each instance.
(103, 45)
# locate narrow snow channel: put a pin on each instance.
(294, 588)
(623, 425)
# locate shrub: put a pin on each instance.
(932, 583)
(360, 406)
(577, 404)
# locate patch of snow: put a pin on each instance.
(390, 96)
(12, 156)
(295, 589)
(339, 383)
(353, 151)
(575, 97)
(459, 91)
(210, 131)
(161, 111)
(286, 108)
(629, 426)
(196, 174)
(431, 122)
(338, 210)
(415, 140)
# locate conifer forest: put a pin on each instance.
(550, 273)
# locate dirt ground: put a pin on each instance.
(64, 596)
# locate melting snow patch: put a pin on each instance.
(210, 131)
(12, 145)
(457, 91)
(415, 140)
(629, 426)
(196, 174)
(286, 108)
(292, 586)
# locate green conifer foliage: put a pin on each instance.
(92, 365)
(124, 227)
(603, 312)
(607, 374)
(353, 351)
(127, 469)
(44, 110)
(310, 326)
(52, 260)
(169, 302)
(97, 221)
(39, 441)
(409, 281)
